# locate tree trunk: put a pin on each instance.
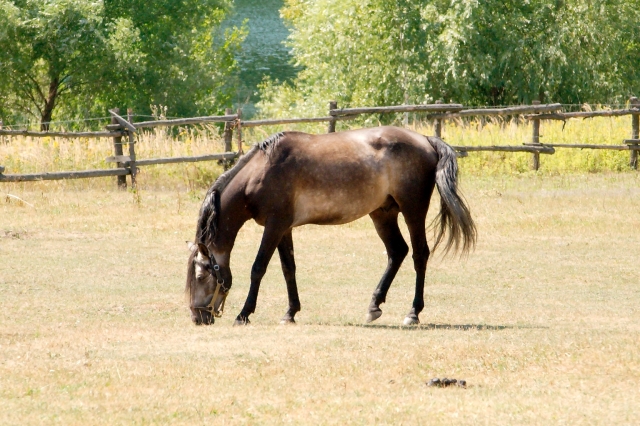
(541, 96)
(49, 105)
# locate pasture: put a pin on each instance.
(542, 320)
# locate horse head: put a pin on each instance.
(208, 284)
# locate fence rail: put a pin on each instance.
(398, 108)
(83, 174)
(108, 134)
(583, 114)
(545, 149)
(273, 122)
(121, 127)
(524, 109)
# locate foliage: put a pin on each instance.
(181, 57)
(81, 58)
(50, 49)
(383, 52)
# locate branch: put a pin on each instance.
(35, 82)
(30, 96)
(62, 86)
(24, 109)
(62, 90)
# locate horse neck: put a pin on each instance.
(232, 216)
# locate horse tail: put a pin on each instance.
(454, 214)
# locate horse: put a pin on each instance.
(293, 179)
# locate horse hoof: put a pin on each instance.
(373, 315)
(240, 321)
(287, 321)
(411, 321)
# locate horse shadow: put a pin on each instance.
(456, 327)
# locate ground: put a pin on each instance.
(542, 320)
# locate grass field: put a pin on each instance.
(542, 320)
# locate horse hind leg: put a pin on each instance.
(386, 224)
(285, 250)
(417, 230)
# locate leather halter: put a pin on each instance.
(219, 286)
(215, 269)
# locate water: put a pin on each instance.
(264, 53)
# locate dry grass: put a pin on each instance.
(34, 155)
(598, 131)
(22, 155)
(516, 131)
(542, 320)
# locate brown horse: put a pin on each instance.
(293, 178)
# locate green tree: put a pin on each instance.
(505, 52)
(49, 50)
(79, 58)
(173, 54)
(377, 52)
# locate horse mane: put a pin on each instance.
(191, 271)
(208, 219)
(269, 145)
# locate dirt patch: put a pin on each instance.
(13, 235)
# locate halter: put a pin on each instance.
(215, 268)
(219, 285)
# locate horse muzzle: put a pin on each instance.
(214, 307)
(202, 316)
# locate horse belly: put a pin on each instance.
(337, 206)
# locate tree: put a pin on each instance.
(50, 49)
(180, 58)
(82, 57)
(514, 52)
(377, 52)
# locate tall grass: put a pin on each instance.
(598, 131)
(516, 131)
(34, 155)
(22, 155)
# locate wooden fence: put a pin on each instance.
(121, 128)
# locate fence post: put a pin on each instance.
(228, 131)
(228, 138)
(117, 150)
(437, 124)
(332, 122)
(536, 139)
(405, 115)
(239, 126)
(635, 133)
(132, 151)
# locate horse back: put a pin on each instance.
(338, 177)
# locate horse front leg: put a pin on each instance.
(270, 240)
(285, 250)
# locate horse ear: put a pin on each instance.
(191, 246)
(203, 250)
